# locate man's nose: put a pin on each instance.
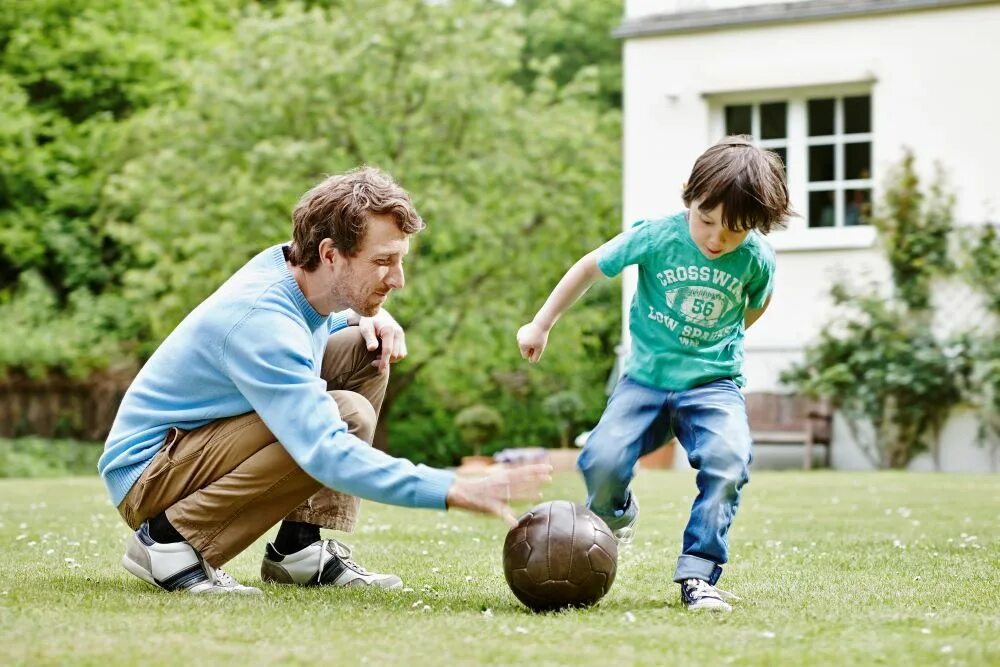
(396, 279)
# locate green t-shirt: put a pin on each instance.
(687, 312)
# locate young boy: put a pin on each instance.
(705, 275)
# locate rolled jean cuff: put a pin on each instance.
(692, 567)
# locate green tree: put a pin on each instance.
(70, 72)
(565, 39)
(515, 184)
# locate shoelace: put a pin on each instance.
(341, 551)
(698, 588)
(225, 579)
(219, 576)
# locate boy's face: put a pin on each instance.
(709, 235)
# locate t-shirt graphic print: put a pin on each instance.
(686, 318)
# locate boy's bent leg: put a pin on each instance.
(633, 423)
(712, 426)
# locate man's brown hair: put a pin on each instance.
(748, 181)
(339, 208)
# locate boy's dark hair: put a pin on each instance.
(338, 209)
(748, 181)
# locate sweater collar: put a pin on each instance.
(313, 319)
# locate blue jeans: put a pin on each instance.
(711, 423)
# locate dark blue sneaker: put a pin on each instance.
(697, 594)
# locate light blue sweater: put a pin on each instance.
(257, 345)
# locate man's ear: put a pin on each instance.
(328, 253)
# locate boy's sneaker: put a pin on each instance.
(697, 594)
(322, 563)
(175, 566)
(625, 534)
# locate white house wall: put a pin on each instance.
(935, 86)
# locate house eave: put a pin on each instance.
(776, 14)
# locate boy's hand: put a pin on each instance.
(532, 339)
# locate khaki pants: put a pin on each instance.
(227, 483)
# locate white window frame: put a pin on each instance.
(798, 235)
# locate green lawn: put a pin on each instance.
(833, 568)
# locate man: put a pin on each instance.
(261, 406)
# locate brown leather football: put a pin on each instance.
(559, 555)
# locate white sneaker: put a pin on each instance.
(322, 563)
(176, 567)
(228, 582)
(697, 594)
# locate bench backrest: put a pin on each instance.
(775, 412)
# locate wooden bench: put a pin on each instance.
(790, 419)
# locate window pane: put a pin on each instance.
(820, 117)
(773, 116)
(857, 114)
(821, 209)
(738, 119)
(782, 153)
(858, 160)
(821, 163)
(857, 207)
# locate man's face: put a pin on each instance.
(709, 235)
(365, 280)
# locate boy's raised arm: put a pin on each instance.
(533, 336)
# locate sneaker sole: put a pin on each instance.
(273, 573)
(139, 571)
(721, 607)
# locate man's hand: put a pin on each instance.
(532, 339)
(383, 328)
(492, 493)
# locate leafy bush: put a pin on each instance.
(881, 364)
(981, 267)
(478, 425)
(878, 361)
(39, 457)
(566, 409)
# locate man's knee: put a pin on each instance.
(348, 337)
(347, 356)
(357, 412)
